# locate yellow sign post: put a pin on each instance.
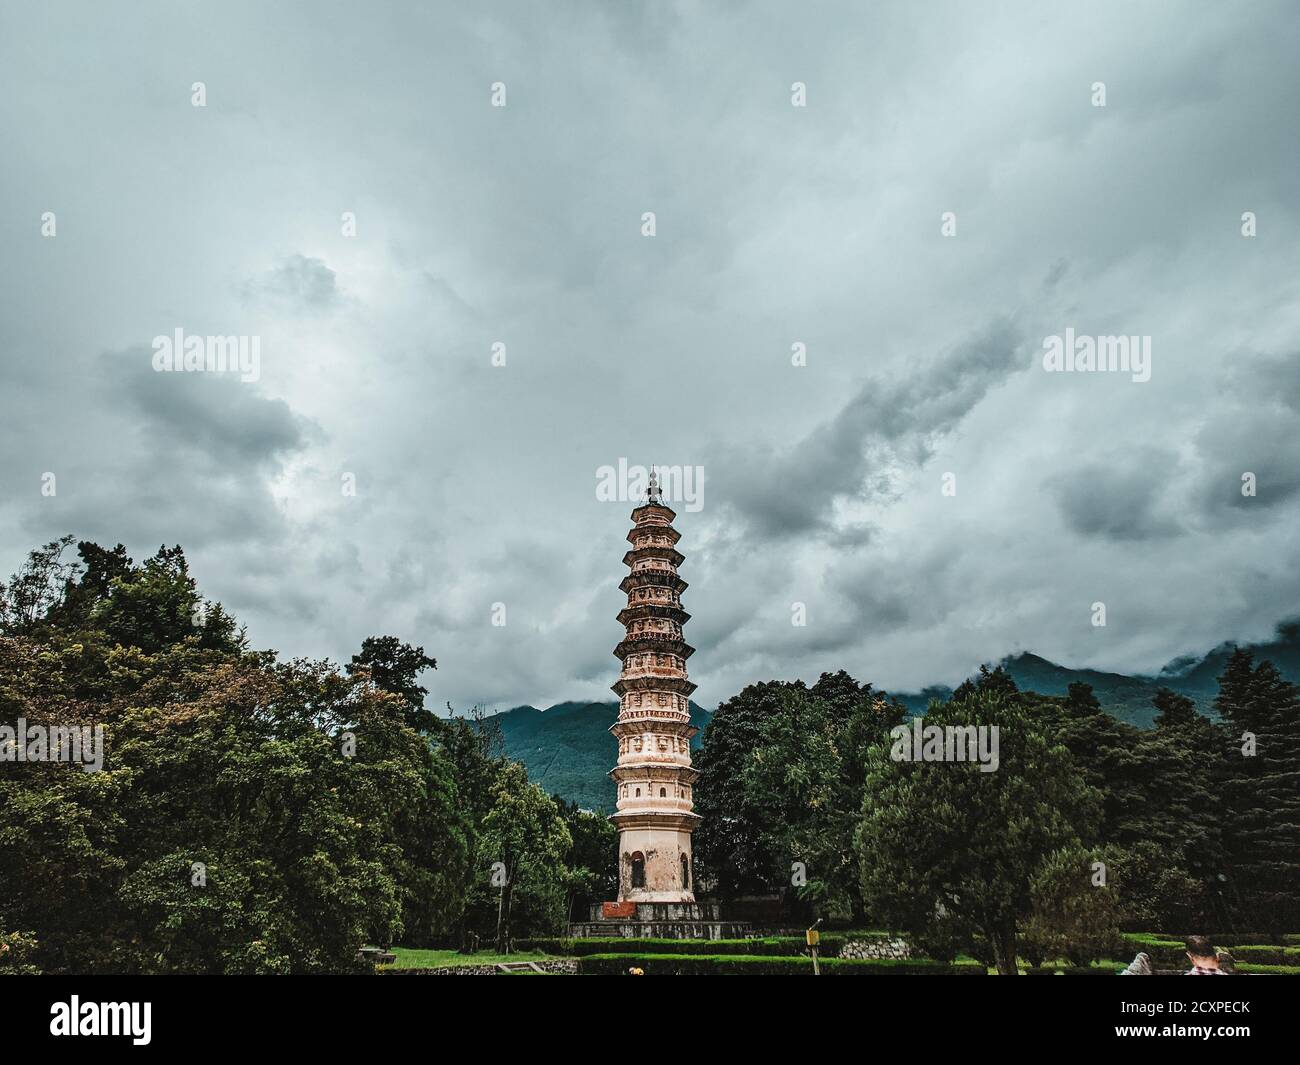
(814, 937)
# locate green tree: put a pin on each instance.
(17, 950)
(318, 820)
(36, 589)
(157, 604)
(808, 771)
(64, 823)
(395, 667)
(945, 841)
(473, 747)
(1159, 892)
(103, 602)
(591, 860)
(1075, 907)
(251, 816)
(525, 833)
(1173, 710)
(732, 850)
(1261, 711)
(996, 681)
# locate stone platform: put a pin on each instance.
(658, 920)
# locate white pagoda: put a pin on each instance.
(654, 777)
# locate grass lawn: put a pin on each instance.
(411, 958)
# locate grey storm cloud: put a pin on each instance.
(1258, 442)
(382, 475)
(1119, 498)
(883, 424)
(188, 458)
(299, 282)
(214, 416)
(1245, 444)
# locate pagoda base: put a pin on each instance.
(658, 920)
(655, 911)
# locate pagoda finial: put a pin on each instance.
(653, 492)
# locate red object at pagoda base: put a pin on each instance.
(618, 909)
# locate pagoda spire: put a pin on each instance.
(653, 779)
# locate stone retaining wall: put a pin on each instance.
(881, 947)
(566, 966)
(659, 930)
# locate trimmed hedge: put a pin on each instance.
(1227, 939)
(1267, 955)
(1246, 968)
(1171, 953)
(759, 965)
(768, 947)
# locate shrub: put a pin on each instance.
(16, 951)
(770, 946)
(1169, 953)
(767, 965)
(1225, 939)
(1072, 917)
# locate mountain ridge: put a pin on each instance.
(568, 750)
(567, 747)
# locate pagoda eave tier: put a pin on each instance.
(675, 724)
(649, 682)
(640, 720)
(643, 611)
(668, 554)
(648, 511)
(636, 533)
(648, 818)
(653, 578)
(651, 770)
(654, 643)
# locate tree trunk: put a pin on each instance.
(1003, 942)
(501, 913)
(503, 908)
(857, 911)
(510, 894)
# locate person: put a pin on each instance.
(1139, 966)
(1203, 956)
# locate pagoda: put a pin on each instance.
(653, 778)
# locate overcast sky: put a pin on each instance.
(775, 225)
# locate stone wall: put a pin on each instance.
(660, 911)
(566, 966)
(659, 929)
(875, 947)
